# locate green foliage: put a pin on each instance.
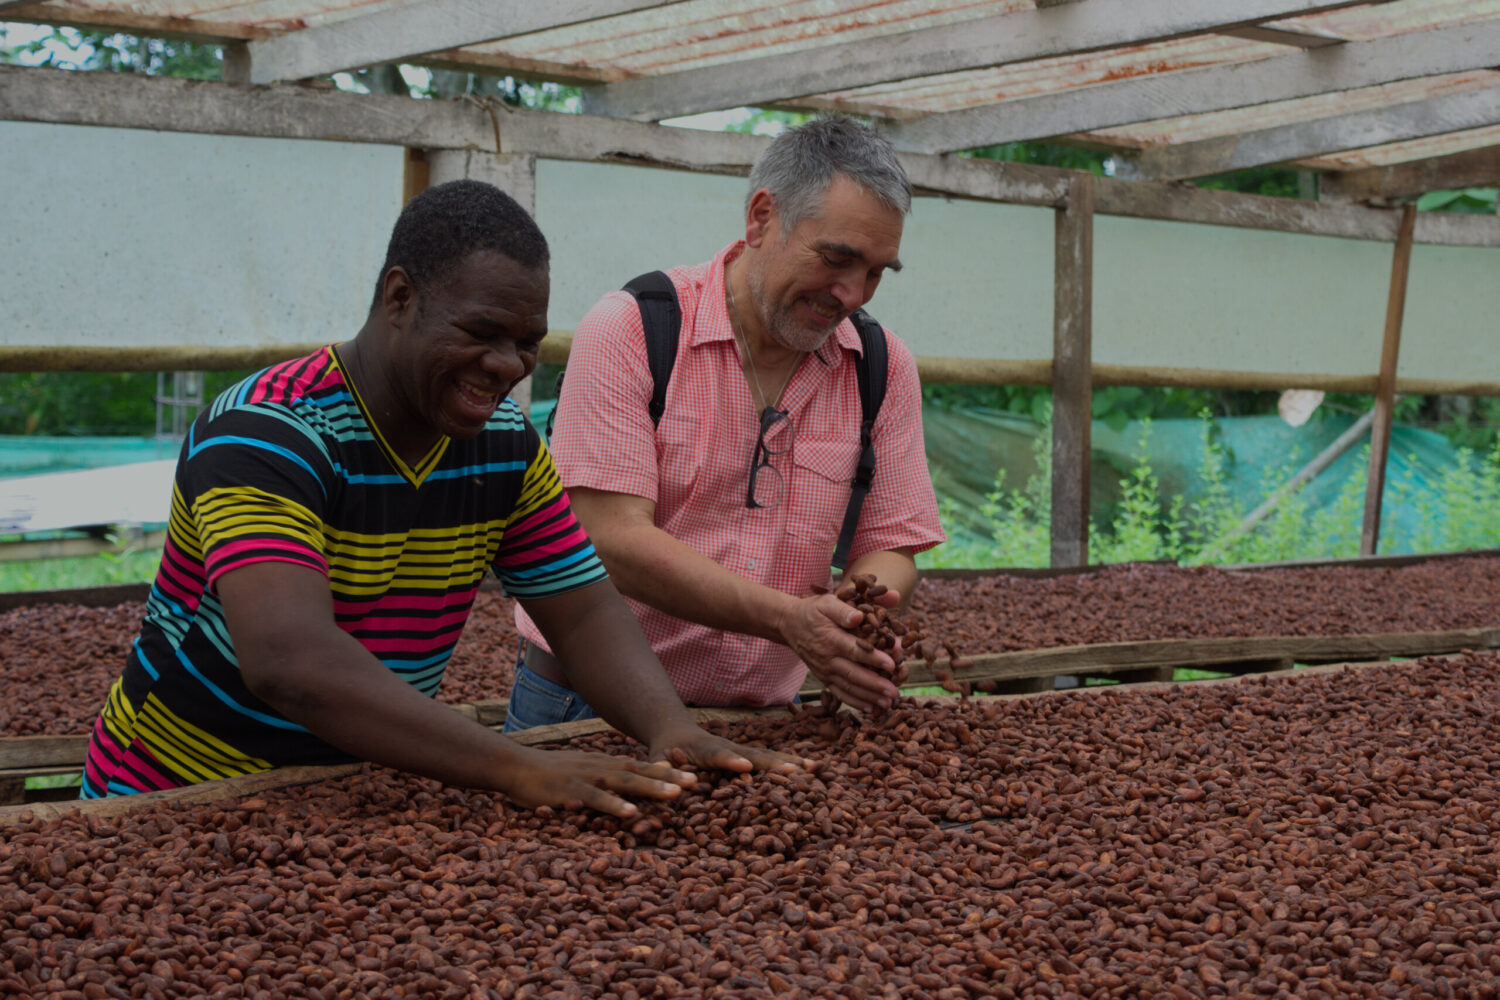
(1276, 182)
(81, 571)
(443, 84)
(768, 121)
(1467, 421)
(1141, 531)
(64, 403)
(1116, 405)
(1020, 520)
(1047, 155)
(114, 52)
(1461, 511)
(1480, 201)
(55, 781)
(82, 49)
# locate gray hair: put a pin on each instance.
(801, 163)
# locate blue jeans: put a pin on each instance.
(536, 701)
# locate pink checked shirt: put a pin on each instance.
(695, 466)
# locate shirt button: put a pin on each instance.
(752, 563)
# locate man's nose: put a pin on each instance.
(851, 293)
(504, 360)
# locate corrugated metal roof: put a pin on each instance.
(702, 35)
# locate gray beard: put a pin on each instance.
(780, 325)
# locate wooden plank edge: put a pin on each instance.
(87, 597)
(168, 104)
(930, 368)
(286, 777)
(18, 752)
(1156, 686)
(1105, 658)
(28, 550)
(34, 755)
(1357, 562)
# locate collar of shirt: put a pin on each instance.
(714, 325)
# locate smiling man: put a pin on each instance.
(719, 519)
(332, 519)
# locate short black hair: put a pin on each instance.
(443, 225)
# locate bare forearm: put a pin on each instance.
(608, 661)
(651, 566)
(376, 716)
(894, 568)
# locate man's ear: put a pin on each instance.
(398, 297)
(761, 218)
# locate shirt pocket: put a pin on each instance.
(822, 470)
(690, 474)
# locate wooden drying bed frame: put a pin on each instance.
(282, 777)
(22, 757)
(287, 777)
(1150, 661)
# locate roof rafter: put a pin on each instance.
(1281, 36)
(1195, 91)
(128, 100)
(1413, 120)
(188, 28)
(974, 44)
(1471, 168)
(398, 33)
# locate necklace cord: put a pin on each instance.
(744, 339)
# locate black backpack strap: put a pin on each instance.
(871, 369)
(556, 396)
(661, 318)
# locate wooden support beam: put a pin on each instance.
(1282, 36)
(235, 68)
(515, 175)
(1287, 143)
(188, 29)
(973, 44)
(1472, 168)
(1215, 88)
(1184, 203)
(1072, 366)
(128, 100)
(393, 34)
(415, 175)
(1385, 392)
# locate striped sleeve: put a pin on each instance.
(255, 484)
(544, 549)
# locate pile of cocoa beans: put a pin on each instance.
(57, 661)
(1304, 835)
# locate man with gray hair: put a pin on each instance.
(717, 517)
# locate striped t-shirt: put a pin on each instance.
(287, 466)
